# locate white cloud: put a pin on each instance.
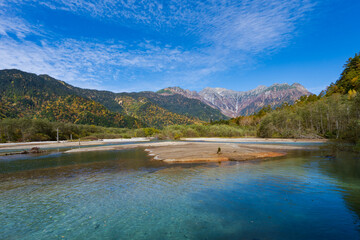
(78, 61)
(254, 26)
(239, 25)
(224, 33)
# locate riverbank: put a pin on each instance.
(55, 144)
(187, 150)
(254, 139)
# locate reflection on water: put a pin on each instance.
(58, 148)
(124, 194)
(99, 160)
(344, 168)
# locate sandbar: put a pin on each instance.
(183, 151)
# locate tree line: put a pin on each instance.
(25, 129)
(336, 117)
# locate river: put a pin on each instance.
(126, 195)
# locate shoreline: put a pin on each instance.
(255, 139)
(21, 145)
(187, 150)
(55, 144)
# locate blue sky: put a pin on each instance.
(129, 45)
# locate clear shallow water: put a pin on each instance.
(72, 147)
(125, 195)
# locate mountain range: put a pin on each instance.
(234, 103)
(29, 95)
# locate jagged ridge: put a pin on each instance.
(234, 103)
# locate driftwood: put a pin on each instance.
(32, 150)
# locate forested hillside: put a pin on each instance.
(41, 96)
(333, 114)
(179, 104)
(150, 113)
(349, 82)
(28, 95)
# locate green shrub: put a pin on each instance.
(40, 137)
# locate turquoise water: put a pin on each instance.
(126, 195)
(28, 147)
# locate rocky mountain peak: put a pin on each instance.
(234, 103)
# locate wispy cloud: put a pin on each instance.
(256, 25)
(223, 34)
(73, 57)
(245, 25)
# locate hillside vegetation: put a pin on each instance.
(150, 113)
(24, 129)
(349, 82)
(32, 96)
(179, 104)
(333, 114)
(41, 96)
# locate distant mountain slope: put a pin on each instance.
(182, 105)
(25, 94)
(28, 95)
(105, 98)
(235, 103)
(140, 107)
(174, 103)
